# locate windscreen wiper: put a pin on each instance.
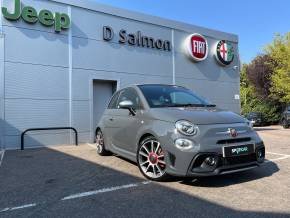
(192, 105)
(187, 105)
(210, 105)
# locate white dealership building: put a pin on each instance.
(61, 60)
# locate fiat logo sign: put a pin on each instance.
(196, 47)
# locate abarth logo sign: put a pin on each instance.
(60, 21)
(196, 47)
(224, 52)
(233, 132)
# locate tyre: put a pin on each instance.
(100, 144)
(151, 160)
(285, 124)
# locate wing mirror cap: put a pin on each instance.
(127, 104)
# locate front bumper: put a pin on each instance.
(225, 165)
(197, 166)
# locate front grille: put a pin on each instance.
(198, 165)
(231, 141)
(239, 159)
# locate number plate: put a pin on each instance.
(238, 150)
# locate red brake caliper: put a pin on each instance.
(160, 152)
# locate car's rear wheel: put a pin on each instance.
(100, 144)
(151, 160)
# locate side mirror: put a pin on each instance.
(127, 104)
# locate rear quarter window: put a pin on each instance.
(114, 100)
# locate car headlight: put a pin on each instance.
(250, 124)
(186, 128)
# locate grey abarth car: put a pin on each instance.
(170, 131)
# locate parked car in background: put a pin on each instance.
(169, 130)
(285, 119)
(256, 118)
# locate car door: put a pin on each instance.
(109, 118)
(126, 124)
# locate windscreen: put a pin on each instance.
(254, 115)
(172, 96)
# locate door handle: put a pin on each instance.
(111, 119)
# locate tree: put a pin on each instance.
(246, 90)
(265, 82)
(279, 50)
(256, 83)
(259, 73)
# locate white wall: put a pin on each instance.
(48, 81)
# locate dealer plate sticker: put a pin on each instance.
(229, 151)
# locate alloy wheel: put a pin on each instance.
(99, 142)
(151, 159)
(285, 124)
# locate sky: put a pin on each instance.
(254, 21)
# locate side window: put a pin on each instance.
(131, 95)
(113, 102)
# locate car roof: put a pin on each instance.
(156, 84)
(137, 86)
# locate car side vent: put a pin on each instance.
(230, 141)
(172, 159)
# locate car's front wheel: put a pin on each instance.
(100, 143)
(151, 160)
(285, 124)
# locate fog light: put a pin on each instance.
(183, 144)
(210, 161)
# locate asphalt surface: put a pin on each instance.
(69, 181)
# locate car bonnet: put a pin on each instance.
(200, 116)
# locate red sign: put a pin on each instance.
(197, 47)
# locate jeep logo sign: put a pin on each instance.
(196, 47)
(60, 21)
